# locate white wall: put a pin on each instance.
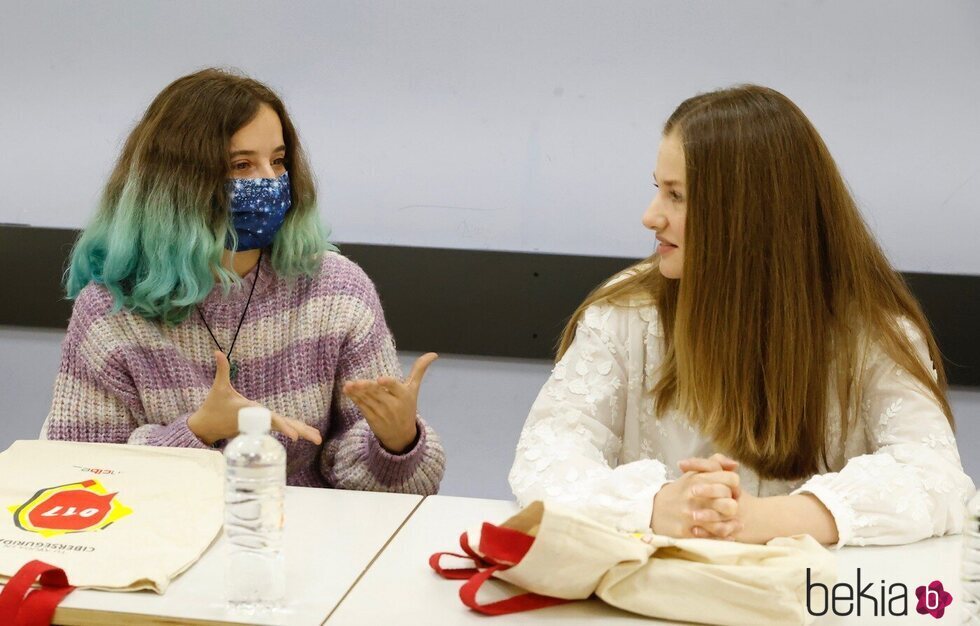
(507, 124)
(478, 406)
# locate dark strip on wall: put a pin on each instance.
(473, 302)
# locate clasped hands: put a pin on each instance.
(705, 502)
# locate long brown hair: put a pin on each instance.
(783, 290)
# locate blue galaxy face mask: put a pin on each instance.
(258, 209)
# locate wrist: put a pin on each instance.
(760, 517)
(656, 517)
(402, 444)
(786, 516)
(807, 514)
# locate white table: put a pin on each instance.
(401, 588)
(331, 537)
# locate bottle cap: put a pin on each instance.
(254, 419)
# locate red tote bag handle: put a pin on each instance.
(458, 573)
(502, 548)
(526, 601)
(20, 605)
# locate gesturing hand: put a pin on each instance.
(217, 418)
(702, 503)
(390, 406)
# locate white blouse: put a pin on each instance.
(593, 442)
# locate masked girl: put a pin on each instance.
(766, 373)
(205, 283)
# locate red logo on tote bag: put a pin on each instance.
(72, 508)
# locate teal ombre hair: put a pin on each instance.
(157, 239)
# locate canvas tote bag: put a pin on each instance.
(557, 556)
(113, 517)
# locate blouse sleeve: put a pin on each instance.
(913, 485)
(569, 448)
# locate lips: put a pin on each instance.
(665, 246)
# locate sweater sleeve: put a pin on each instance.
(913, 485)
(570, 447)
(352, 456)
(95, 398)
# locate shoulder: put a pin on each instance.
(93, 313)
(622, 323)
(93, 301)
(343, 292)
(874, 340)
(885, 358)
(98, 326)
(339, 275)
(639, 268)
(633, 313)
(335, 276)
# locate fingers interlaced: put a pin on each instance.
(714, 504)
(711, 491)
(726, 507)
(717, 530)
(699, 465)
(725, 478)
(715, 463)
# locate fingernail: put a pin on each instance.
(695, 491)
(698, 516)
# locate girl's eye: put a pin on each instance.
(675, 196)
(241, 165)
(279, 161)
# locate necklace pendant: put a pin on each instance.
(233, 374)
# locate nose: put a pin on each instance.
(653, 217)
(266, 170)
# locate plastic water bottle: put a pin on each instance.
(970, 564)
(255, 481)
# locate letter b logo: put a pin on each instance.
(933, 599)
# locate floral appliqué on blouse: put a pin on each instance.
(592, 441)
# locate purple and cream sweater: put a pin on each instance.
(126, 379)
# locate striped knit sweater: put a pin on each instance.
(125, 379)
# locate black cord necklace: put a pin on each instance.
(234, 364)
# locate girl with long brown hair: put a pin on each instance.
(205, 284)
(767, 351)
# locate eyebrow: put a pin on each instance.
(666, 183)
(281, 148)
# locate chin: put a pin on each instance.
(669, 272)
